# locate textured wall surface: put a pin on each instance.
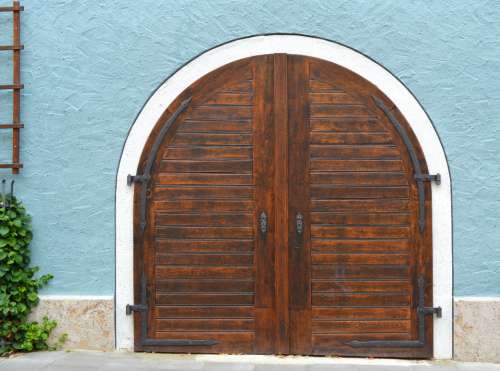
(88, 324)
(477, 325)
(89, 66)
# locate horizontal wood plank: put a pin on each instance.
(183, 232)
(204, 179)
(338, 192)
(165, 246)
(324, 343)
(361, 286)
(350, 138)
(197, 205)
(343, 124)
(360, 246)
(233, 342)
(239, 99)
(216, 166)
(356, 165)
(321, 86)
(328, 231)
(355, 327)
(163, 272)
(242, 86)
(212, 139)
(338, 151)
(332, 98)
(356, 299)
(205, 259)
(382, 205)
(215, 127)
(176, 285)
(203, 153)
(360, 258)
(333, 272)
(205, 219)
(205, 299)
(201, 192)
(220, 113)
(360, 219)
(336, 110)
(205, 324)
(204, 312)
(360, 313)
(359, 178)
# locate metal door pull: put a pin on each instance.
(263, 223)
(299, 223)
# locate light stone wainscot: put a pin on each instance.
(89, 323)
(477, 329)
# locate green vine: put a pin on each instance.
(18, 284)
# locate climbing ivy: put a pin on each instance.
(18, 284)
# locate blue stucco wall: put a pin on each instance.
(90, 65)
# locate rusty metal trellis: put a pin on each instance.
(15, 86)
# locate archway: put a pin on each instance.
(305, 46)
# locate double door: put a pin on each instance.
(284, 214)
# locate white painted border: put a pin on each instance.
(307, 46)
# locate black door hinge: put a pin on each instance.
(422, 311)
(136, 179)
(429, 178)
(438, 311)
(145, 178)
(135, 308)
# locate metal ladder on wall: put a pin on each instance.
(15, 86)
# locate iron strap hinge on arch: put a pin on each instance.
(419, 177)
(429, 178)
(144, 178)
(135, 308)
(422, 311)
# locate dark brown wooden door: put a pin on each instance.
(281, 215)
(354, 269)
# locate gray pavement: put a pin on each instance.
(104, 361)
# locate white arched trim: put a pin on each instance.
(307, 46)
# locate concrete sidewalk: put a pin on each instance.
(100, 361)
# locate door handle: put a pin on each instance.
(263, 223)
(299, 224)
(299, 229)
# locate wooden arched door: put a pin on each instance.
(283, 207)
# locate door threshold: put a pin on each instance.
(257, 359)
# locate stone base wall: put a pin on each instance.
(89, 323)
(477, 329)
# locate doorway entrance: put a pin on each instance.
(283, 206)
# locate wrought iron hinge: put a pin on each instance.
(422, 311)
(143, 318)
(429, 178)
(137, 179)
(419, 176)
(438, 311)
(135, 308)
(145, 178)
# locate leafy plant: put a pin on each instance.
(18, 284)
